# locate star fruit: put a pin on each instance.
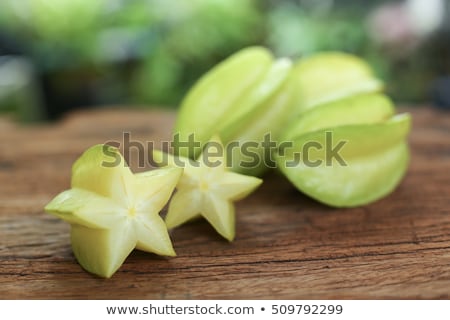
(113, 211)
(207, 188)
(372, 151)
(242, 99)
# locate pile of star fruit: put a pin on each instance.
(328, 98)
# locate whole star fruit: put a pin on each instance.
(242, 99)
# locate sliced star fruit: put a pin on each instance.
(206, 189)
(113, 211)
(329, 76)
(233, 100)
(349, 165)
(359, 109)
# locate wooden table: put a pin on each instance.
(287, 245)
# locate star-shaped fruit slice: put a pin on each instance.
(207, 188)
(113, 211)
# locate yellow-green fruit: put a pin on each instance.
(208, 189)
(349, 165)
(241, 100)
(112, 211)
(329, 76)
(359, 109)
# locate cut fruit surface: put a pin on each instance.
(208, 189)
(112, 211)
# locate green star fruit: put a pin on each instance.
(113, 211)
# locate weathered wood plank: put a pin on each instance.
(287, 245)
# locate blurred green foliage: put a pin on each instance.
(164, 45)
(149, 52)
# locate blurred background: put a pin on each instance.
(60, 55)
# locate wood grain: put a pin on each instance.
(287, 246)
